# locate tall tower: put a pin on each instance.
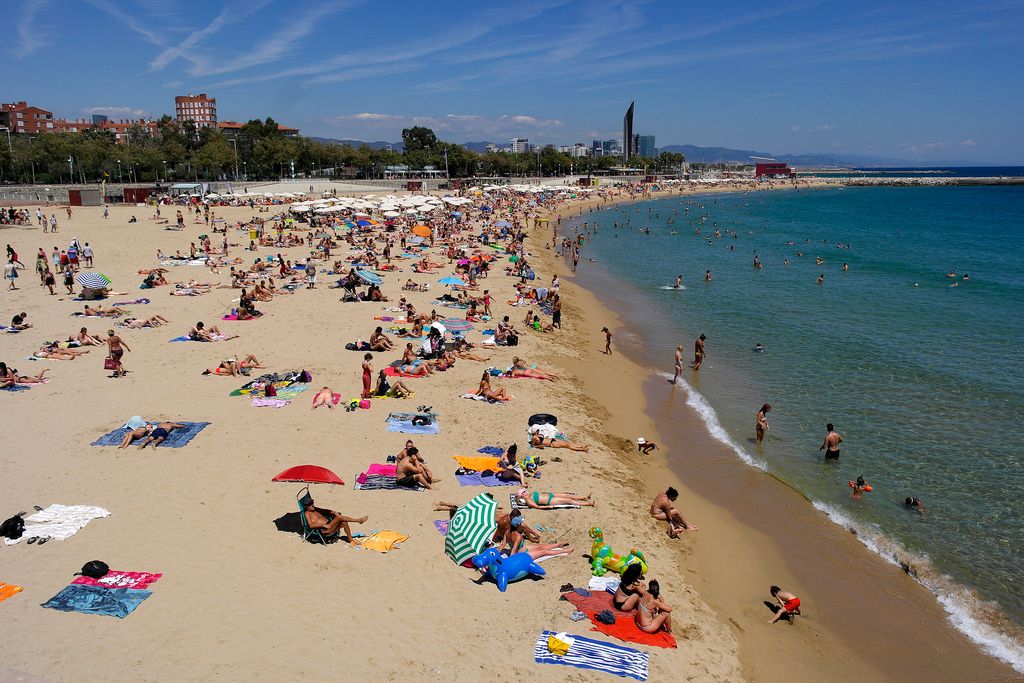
(627, 134)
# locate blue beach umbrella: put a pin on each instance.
(450, 281)
(503, 224)
(369, 278)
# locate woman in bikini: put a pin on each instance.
(490, 394)
(117, 347)
(386, 388)
(521, 369)
(324, 397)
(541, 441)
(652, 613)
(411, 365)
(631, 589)
(52, 352)
(546, 500)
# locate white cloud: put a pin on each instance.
(30, 37)
(116, 112)
(825, 127)
(796, 128)
(968, 143)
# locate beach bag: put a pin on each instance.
(512, 340)
(351, 347)
(364, 404)
(12, 527)
(305, 377)
(94, 569)
(109, 363)
(270, 390)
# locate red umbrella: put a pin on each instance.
(309, 474)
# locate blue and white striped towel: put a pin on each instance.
(594, 654)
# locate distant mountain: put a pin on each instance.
(380, 144)
(694, 154)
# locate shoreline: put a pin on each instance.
(904, 602)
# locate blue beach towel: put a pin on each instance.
(109, 602)
(176, 439)
(595, 655)
(480, 480)
(491, 450)
(407, 427)
(16, 387)
(182, 338)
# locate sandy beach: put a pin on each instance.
(240, 599)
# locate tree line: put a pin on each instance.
(259, 150)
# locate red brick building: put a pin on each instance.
(200, 109)
(19, 117)
(120, 129)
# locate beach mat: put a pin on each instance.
(480, 480)
(8, 589)
(402, 422)
(58, 522)
(442, 526)
(624, 628)
(109, 602)
(381, 482)
(382, 541)
(476, 463)
(595, 655)
(119, 579)
(176, 439)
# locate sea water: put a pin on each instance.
(924, 380)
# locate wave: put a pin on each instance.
(981, 621)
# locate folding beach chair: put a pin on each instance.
(311, 535)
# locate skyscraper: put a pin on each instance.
(645, 146)
(627, 134)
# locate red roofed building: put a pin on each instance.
(764, 166)
(120, 129)
(19, 117)
(200, 109)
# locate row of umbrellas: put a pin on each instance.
(468, 531)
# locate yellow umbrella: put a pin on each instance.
(422, 230)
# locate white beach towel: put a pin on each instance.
(608, 582)
(59, 522)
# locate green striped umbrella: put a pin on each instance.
(470, 528)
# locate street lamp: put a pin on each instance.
(234, 144)
(119, 180)
(165, 171)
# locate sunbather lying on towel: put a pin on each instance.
(513, 533)
(111, 312)
(135, 434)
(9, 377)
(328, 522)
(521, 369)
(324, 397)
(160, 434)
(545, 500)
(203, 334)
(53, 352)
(231, 367)
(139, 323)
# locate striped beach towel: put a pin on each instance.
(596, 655)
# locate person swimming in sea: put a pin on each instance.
(679, 282)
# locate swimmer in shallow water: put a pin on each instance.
(758, 347)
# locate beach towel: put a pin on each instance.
(381, 482)
(481, 480)
(609, 582)
(478, 397)
(442, 526)
(8, 589)
(382, 470)
(586, 653)
(624, 628)
(17, 387)
(118, 579)
(132, 303)
(182, 338)
(405, 426)
(232, 316)
(477, 463)
(396, 372)
(59, 522)
(516, 505)
(496, 451)
(110, 602)
(12, 330)
(258, 402)
(383, 541)
(176, 439)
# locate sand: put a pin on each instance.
(240, 599)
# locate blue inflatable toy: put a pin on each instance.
(506, 569)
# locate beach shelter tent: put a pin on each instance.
(421, 230)
(470, 528)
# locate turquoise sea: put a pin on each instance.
(923, 380)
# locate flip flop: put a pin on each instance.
(43, 540)
(33, 540)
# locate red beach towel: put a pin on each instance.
(624, 627)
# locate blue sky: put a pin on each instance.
(914, 80)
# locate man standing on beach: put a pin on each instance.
(698, 352)
(831, 443)
(556, 312)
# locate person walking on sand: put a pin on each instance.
(698, 352)
(116, 347)
(761, 427)
(831, 443)
(607, 341)
(11, 273)
(679, 364)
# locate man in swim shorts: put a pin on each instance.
(698, 352)
(160, 434)
(831, 443)
(788, 607)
